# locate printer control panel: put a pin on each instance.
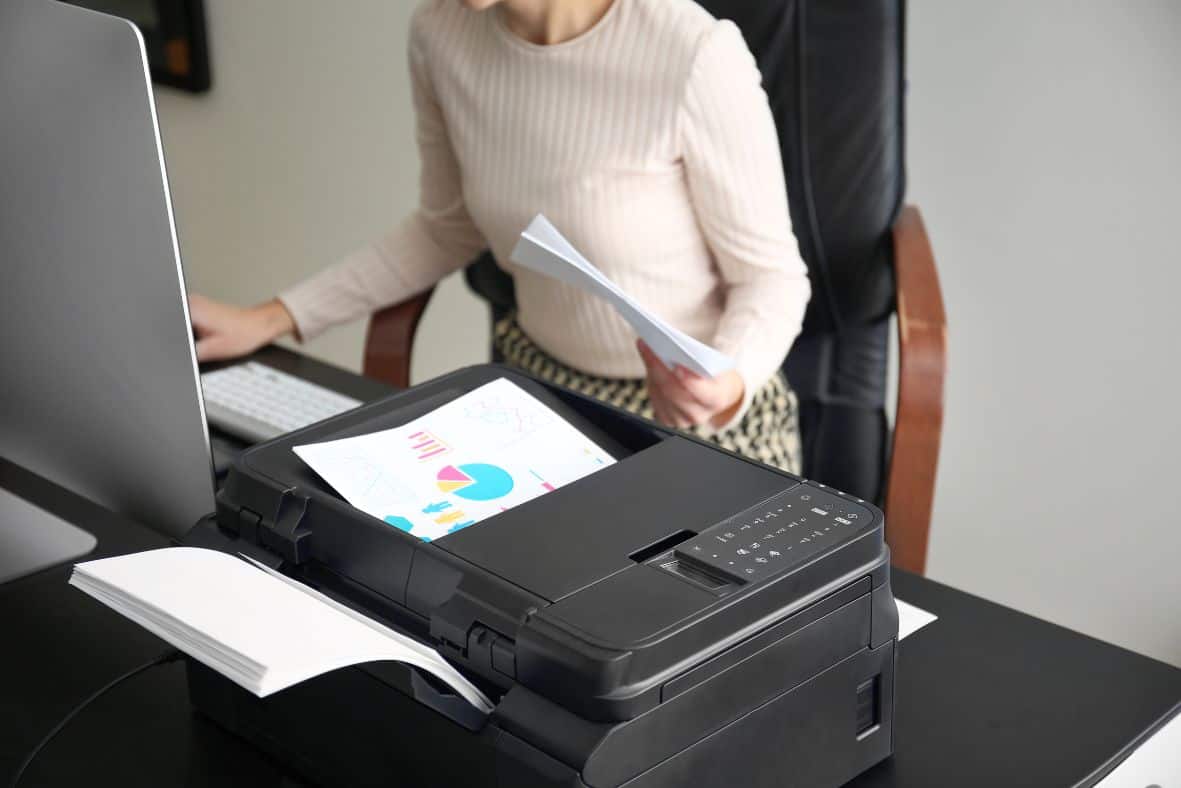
(784, 531)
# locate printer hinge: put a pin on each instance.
(285, 535)
(491, 652)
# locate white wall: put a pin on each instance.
(1043, 151)
(303, 151)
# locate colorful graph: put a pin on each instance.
(427, 445)
(475, 481)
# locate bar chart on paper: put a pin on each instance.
(426, 445)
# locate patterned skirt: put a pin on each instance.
(768, 432)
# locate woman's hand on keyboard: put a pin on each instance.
(227, 331)
(681, 398)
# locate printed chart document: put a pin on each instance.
(543, 249)
(478, 455)
(258, 628)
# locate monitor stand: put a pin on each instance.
(32, 539)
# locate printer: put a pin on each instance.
(682, 617)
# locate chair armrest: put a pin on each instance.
(922, 368)
(390, 339)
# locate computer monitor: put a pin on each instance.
(98, 378)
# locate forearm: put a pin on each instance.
(345, 291)
(412, 258)
(761, 320)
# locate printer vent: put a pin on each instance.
(869, 706)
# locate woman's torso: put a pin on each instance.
(585, 132)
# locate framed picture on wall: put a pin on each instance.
(175, 36)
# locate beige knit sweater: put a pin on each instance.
(647, 141)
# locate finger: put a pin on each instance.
(659, 414)
(705, 391)
(661, 376)
(691, 416)
(677, 407)
(683, 400)
(662, 389)
(660, 405)
(681, 414)
(687, 411)
(672, 418)
(656, 402)
(651, 360)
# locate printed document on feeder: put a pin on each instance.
(478, 455)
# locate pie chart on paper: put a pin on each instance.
(475, 481)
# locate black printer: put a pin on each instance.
(683, 617)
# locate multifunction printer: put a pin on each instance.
(682, 617)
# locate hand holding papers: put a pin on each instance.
(476, 456)
(542, 248)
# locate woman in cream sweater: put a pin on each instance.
(640, 128)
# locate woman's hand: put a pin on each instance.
(225, 331)
(681, 398)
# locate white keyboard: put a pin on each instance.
(257, 403)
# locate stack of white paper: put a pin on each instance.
(263, 631)
(543, 249)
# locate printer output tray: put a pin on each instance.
(624, 624)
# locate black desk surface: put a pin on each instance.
(987, 696)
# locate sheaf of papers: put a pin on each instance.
(485, 452)
(543, 249)
(263, 631)
(911, 619)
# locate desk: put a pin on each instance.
(987, 696)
